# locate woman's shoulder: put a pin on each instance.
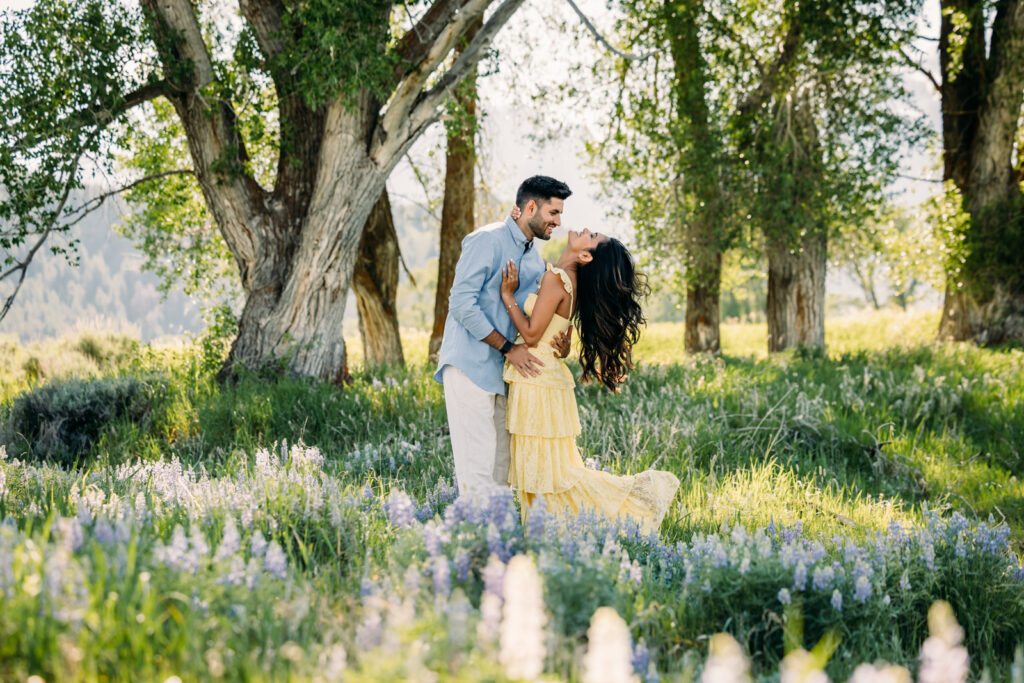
(554, 273)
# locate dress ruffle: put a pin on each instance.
(544, 465)
(543, 420)
(533, 410)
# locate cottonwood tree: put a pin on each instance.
(981, 57)
(756, 122)
(350, 96)
(823, 141)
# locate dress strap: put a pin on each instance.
(566, 282)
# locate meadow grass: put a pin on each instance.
(878, 443)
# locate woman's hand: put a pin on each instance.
(509, 281)
(515, 213)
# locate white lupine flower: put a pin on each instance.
(884, 673)
(943, 659)
(230, 541)
(609, 650)
(257, 544)
(522, 626)
(3, 479)
(275, 561)
(726, 661)
(800, 666)
(332, 663)
(252, 573)
(490, 618)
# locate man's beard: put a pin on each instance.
(539, 228)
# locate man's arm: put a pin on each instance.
(475, 264)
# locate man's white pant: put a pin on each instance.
(480, 441)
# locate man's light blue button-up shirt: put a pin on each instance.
(475, 307)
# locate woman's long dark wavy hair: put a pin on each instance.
(608, 315)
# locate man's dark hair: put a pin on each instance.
(541, 188)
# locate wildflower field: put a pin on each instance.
(838, 511)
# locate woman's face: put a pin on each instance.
(585, 240)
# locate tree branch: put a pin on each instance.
(919, 67)
(414, 46)
(96, 202)
(411, 88)
(395, 134)
(22, 265)
(768, 84)
(603, 41)
(105, 115)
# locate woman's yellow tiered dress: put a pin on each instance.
(544, 422)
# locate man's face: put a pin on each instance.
(546, 217)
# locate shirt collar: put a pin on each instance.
(517, 235)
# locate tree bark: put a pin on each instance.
(797, 257)
(457, 209)
(796, 293)
(982, 93)
(296, 245)
(375, 283)
(702, 307)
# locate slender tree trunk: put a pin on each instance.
(796, 293)
(375, 283)
(459, 194)
(702, 293)
(705, 236)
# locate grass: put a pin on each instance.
(882, 433)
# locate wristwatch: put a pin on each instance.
(506, 347)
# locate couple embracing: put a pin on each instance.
(509, 324)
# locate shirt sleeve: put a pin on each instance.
(472, 270)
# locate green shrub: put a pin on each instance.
(59, 421)
(106, 349)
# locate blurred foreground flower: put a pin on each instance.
(884, 673)
(943, 659)
(609, 651)
(726, 661)
(522, 626)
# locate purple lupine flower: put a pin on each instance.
(461, 565)
(823, 577)
(641, 659)
(442, 576)
(862, 589)
(837, 600)
(800, 576)
(432, 538)
(494, 576)
(401, 510)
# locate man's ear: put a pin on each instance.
(531, 208)
(586, 256)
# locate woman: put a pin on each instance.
(594, 284)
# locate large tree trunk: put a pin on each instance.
(459, 193)
(375, 284)
(796, 293)
(296, 245)
(982, 92)
(797, 242)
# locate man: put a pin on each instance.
(478, 333)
